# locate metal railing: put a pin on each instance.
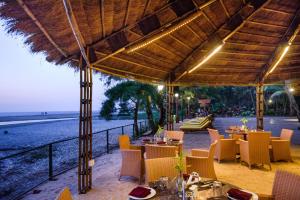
(24, 171)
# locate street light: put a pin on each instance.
(291, 89)
(160, 87)
(188, 110)
(270, 101)
(176, 101)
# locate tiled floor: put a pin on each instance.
(107, 186)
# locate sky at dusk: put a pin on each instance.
(28, 83)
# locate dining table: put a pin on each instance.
(143, 143)
(204, 192)
(244, 133)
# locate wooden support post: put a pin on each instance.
(172, 107)
(260, 106)
(85, 129)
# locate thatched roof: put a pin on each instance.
(155, 40)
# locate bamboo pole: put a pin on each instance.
(40, 26)
(260, 106)
(75, 29)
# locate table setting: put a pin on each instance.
(192, 187)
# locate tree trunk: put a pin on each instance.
(293, 103)
(136, 127)
(162, 116)
(150, 114)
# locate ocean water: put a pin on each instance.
(21, 131)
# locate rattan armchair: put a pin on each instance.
(65, 194)
(154, 151)
(225, 149)
(131, 164)
(285, 187)
(158, 167)
(281, 146)
(202, 162)
(178, 135)
(256, 149)
(124, 143)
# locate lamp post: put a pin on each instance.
(188, 108)
(176, 109)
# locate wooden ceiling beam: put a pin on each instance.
(242, 52)
(267, 24)
(293, 29)
(245, 43)
(126, 72)
(183, 65)
(278, 11)
(102, 17)
(41, 27)
(257, 34)
(180, 42)
(75, 29)
(126, 13)
(134, 62)
(194, 32)
(167, 63)
(224, 8)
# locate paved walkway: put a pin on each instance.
(106, 170)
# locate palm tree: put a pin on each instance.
(133, 94)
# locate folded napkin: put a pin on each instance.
(238, 194)
(140, 192)
(161, 142)
(186, 176)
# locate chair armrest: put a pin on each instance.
(280, 143)
(265, 197)
(199, 152)
(274, 138)
(197, 157)
(135, 147)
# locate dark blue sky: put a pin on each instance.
(29, 83)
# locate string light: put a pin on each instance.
(207, 58)
(280, 58)
(149, 41)
(176, 95)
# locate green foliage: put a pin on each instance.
(180, 163)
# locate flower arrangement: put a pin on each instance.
(244, 121)
(159, 131)
(180, 163)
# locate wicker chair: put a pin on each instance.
(202, 162)
(256, 149)
(226, 148)
(131, 164)
(286, 187)
(158, 167)
(154, 151)
(178, 135)
(124, 143)
(281, 146)
(65, 194)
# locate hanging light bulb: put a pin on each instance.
(176, 95)
(160, 87)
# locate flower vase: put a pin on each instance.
(179, 184)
